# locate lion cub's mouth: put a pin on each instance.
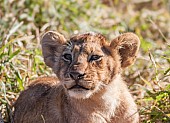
(78, 87)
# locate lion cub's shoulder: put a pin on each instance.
(44, 81)
(40, 87)
(34, 98)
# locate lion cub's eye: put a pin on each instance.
(67, 57)
(95, 58)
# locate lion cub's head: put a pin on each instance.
(87, 63)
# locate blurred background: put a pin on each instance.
(22, 22)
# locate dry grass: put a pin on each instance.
(24, 21)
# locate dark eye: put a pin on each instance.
(67, 57)
(95, 58)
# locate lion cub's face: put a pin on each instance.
(87, 63)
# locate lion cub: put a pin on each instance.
(88, 87)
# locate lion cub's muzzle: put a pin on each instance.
(77, 76)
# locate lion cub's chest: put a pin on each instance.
(93, 112)
(83, 113)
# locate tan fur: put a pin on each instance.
(88, 87)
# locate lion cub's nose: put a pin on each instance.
(76, 75)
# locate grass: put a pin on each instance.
(24, 21)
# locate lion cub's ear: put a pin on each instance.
(127, 45)
(52, 46)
